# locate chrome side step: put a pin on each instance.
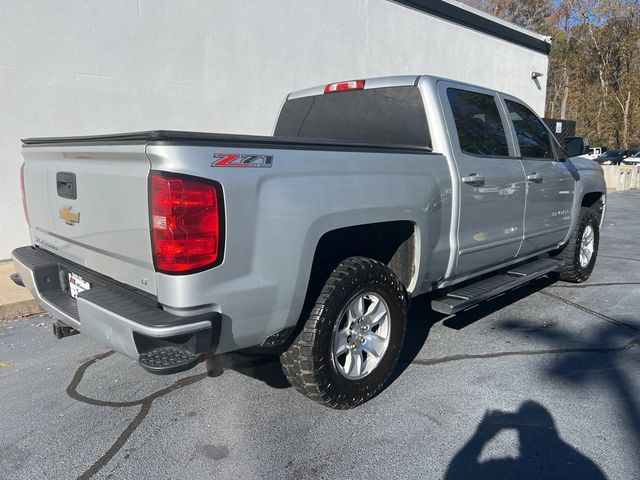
(465, 297)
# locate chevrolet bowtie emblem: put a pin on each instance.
(68, 216)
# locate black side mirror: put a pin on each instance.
(576, 146)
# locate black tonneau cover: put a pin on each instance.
(170, 137)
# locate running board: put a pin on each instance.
(457, 300)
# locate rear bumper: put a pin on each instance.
(109, 314)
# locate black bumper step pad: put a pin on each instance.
(169, 359)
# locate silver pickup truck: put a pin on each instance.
(173, 247)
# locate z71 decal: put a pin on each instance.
(242, 160)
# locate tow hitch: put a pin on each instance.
(17, 279)
(60, 330)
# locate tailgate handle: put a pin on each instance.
(66, 183)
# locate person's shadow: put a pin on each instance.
(543, 454)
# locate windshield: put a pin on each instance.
(611, 153)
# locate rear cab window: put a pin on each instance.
(392, 115)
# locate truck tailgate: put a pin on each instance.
(89, 204)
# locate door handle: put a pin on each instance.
(474, 180)
(535, 177)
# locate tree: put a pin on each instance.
(607, 34)
(594, 67)
(532, 14)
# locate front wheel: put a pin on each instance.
(351, 342)
(579, 255)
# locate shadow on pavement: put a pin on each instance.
(543, 454)
(578, 369)
(262, 366)
(422, 318)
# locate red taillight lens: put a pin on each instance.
(343, 86)
(24, 197)
(186, 223)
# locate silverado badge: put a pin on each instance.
(68, 216)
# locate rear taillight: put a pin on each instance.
(186, 223)
(344, 86)
(24, 197)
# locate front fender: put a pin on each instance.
(590, 179)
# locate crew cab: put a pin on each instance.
(174, 247)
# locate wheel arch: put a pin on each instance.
(596, 201)
(590, 190)
(394, 243)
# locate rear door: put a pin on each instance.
(550, 181)
(491, 178)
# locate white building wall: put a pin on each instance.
(71, 67)
(403, 40)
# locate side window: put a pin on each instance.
(478, 122)
(533, 137)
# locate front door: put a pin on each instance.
(491, 179)
(550, 182)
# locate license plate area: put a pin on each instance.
(77, 284)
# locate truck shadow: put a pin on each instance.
(542, 453)
(258, 364)
(422, 318)
(264, 364)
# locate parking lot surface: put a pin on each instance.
(540, 383)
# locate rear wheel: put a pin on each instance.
(351, 342)
(579, 255)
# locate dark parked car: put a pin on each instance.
(615, 157)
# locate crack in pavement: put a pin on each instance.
(589, 285)
(620, 258)
(457, 358)
(144, 403)
(591, 312)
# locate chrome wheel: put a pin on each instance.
(587, 245)
(361, 336)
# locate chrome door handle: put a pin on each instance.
(535, 177)
(474, 180)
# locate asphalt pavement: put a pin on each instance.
(540, 383)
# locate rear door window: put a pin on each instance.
(394, 115)
(478, 123)
(534, 139)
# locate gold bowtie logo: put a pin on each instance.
(68, 216)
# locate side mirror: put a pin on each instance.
(575, 146)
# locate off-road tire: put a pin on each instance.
(572, 271)
(309, 363)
